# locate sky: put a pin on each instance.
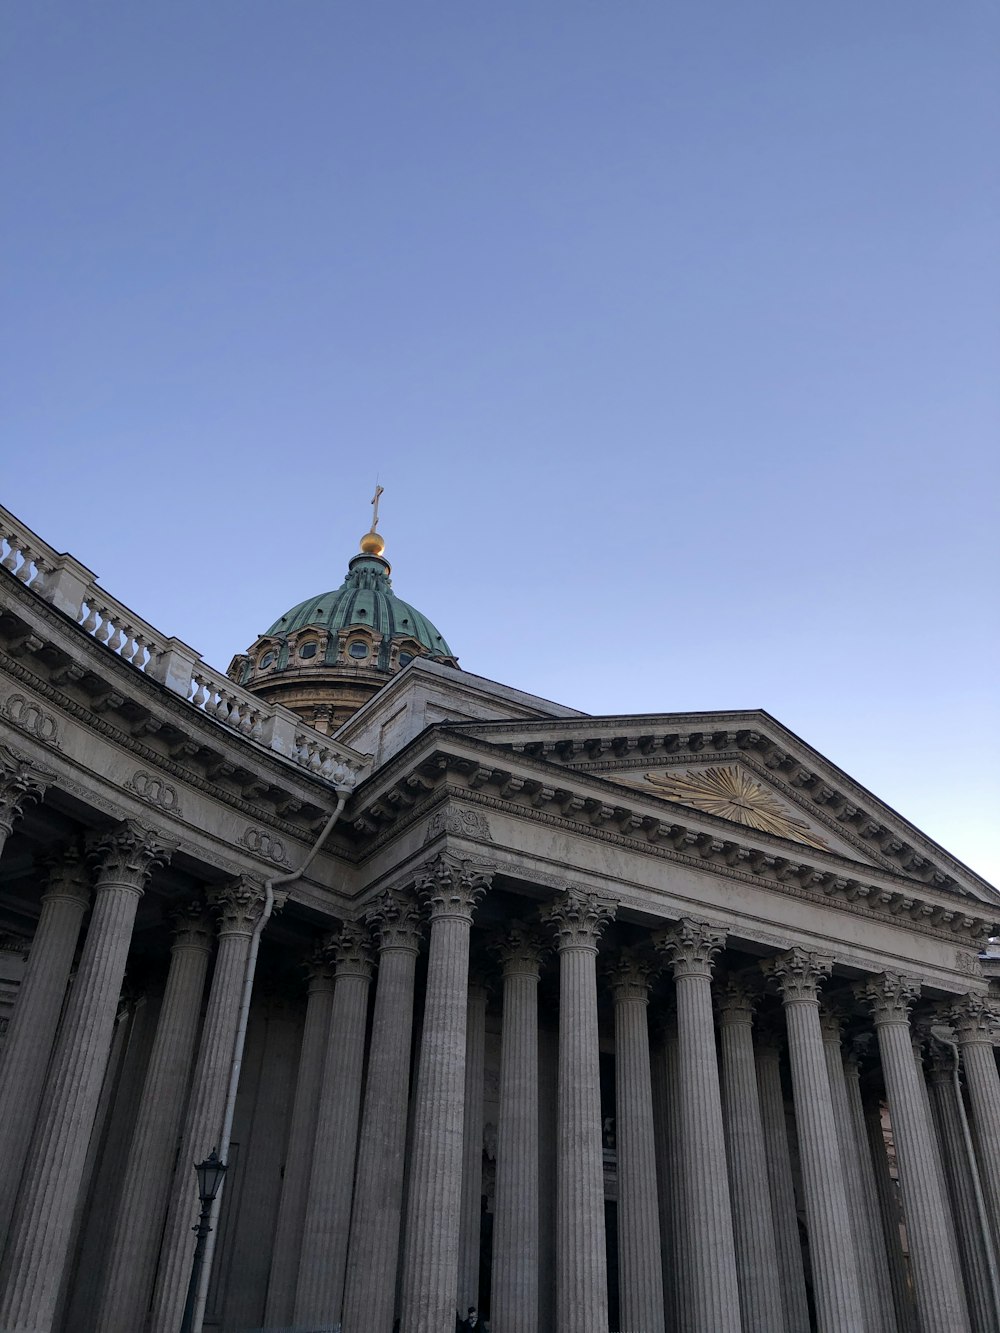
(670, 329)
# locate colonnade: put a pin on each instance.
(374, 1217)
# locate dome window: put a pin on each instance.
(309, 649)
(405, 659)
(266, 661)
(358, 649)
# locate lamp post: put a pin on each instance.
(210, 1176)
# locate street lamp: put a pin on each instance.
(211, 1173)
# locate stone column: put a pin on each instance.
(975, 1022)
(320, 1290)
(870, 1225)
(470, 1228)
(940, 1302)
(514, 1305)
(712, 1301)
(876, 1295)
(146, 1179)
(781, 1184)
(578, 919)
(891, 1212)
(21, 784)
(373, 1252)
(753, 1225)
(33, 1024)
(666, 1123)
(239, 904)
(301, 1138)
(430, 1254)
(972, 1241)
(835, 1280)
(640, 1266)
(43, 1220)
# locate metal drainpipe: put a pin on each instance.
(943, 1036)
(241, 1032)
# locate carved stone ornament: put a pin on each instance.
(68, 873)
(629, 974)
(262, 843)
(396, 921)
(32, 718)
(738, 996)
(519, 950)
(319, 967)
(351, 951)
(890, 997)
(830, 1022)
(192, 925)
(975, 1018)
(453, 887)
(940, 1063)
(691, 947)
(460, 823)
(798, 973)
(152, 789)
(20, 783)
(128, 855)
(579, 918)
(239, 905)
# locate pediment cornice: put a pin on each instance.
(602, 745)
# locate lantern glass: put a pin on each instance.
(210, 1174)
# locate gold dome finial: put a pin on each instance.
(371, 542)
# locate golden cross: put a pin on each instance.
(375, 498)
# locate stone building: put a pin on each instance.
(653, 1023)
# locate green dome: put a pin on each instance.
(364, 598)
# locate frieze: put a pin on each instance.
(152, 789)
(33, 719)
(262, 843)
(459, 822)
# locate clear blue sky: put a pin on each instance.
(671, 328)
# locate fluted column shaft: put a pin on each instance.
(514, 1305)
(961, 1188)
(146, 1178)
(666, 1123)
(431, 1240)
(320, 1290)
(470, 1229)
(43, 1220)
(290, 1225)
(581, 1259)
(239, 905)
(891, 1212)
(867, 1205)
(781, 1186)
(835, 1280)
(373, 1251)
(940, 1301)
(879, 1315)
(712, 1303)
(640, 1268)
(33, 1024)
(975, 1022)
(753, 1225)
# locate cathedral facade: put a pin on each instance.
(659, 1023)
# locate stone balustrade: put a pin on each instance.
(72, 588)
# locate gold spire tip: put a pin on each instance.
(371, 542)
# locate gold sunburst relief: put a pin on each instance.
(731, 793)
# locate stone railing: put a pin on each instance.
(72, 588)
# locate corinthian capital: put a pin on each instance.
(239, 904)
(396, 921)
(68, 873)
(192, 925)
(738, 996)
(889, 996)
(128, 855)
(799, 973)
(579, 918)
(519, 950)
(20, 784)
(453, 887)
(350, 949)
(975, 1019)
(629, 974)
(691, 947)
